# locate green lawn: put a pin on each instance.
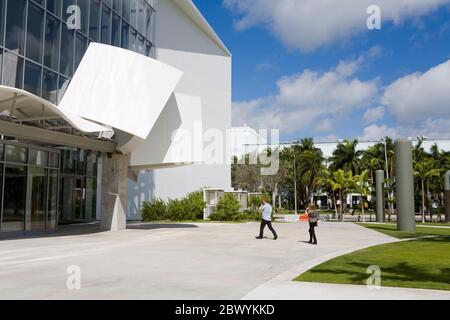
(391, 230)
(421, 263)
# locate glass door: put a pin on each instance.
(36, 199)
(79, 196)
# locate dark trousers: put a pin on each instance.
(312, 232)
(265, 223)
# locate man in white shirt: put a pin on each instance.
(266, 220)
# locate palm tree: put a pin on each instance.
(362, 186)
(343, 182)
(425, 170)
(311, 165)
(346, 157)
(326, 179)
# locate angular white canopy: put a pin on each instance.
(22, 106)
(176, 139)
(121, 89)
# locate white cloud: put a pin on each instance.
(303, 98)
(374, 114)
(418, 97)
(325, 125)
(376, 132)
(309, 24)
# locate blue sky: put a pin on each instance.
(392, 81)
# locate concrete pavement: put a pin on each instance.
(180, 261)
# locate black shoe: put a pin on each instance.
(310, 241)
(276, 238)
(259, 238)
(315, 243)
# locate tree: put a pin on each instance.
(346, 157)
(424, 171)
(362, 186)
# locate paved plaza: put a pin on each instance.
(183, 261)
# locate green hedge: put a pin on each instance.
(189, 208)
(228, 209)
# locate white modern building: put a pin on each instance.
(105, 104)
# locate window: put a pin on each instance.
(117, 6)
(14, 198)
(125, 41)
(15, 26)
(80, 48)
(13, 70)
(37, 158)
(35, 32)
(52, 32)
(67, 47)
(94, 20)
(33, 78)
(16, 154)
(106, 25)
(115, 31)
(54, 6)
(2, 20)
(84, 8)
(50, 86)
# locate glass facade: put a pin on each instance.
(42, 42)
(41, 187)
(28, 188)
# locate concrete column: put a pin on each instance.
(447, 196)
(404, 185)
(380, 195)
(114, 191)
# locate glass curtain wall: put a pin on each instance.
(78, 186)
(28, 188)
(42, 42)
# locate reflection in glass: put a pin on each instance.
(80, 48)
(91, 196)
(62, 87)
(53, 161)
(106, 25)
(50, 86)
(66, 194)
(12, 70)
(67, 47)
(2, 18)
(15, 26)
(36, 198)
(115, 30)
(94, 20)
(54, 6)
(52, 199)
(35, 31)
(37, 158)
(84, 9)
(51, 53)
(33, 78)
(69, 157)
(16, 154)
(125, 35)
(14, 198)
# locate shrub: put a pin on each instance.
(228, 209)
(255, 201)
(154, 210)
(195, 204)
(177, 210)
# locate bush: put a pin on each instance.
(154, 210)
(255, 201)
(228, 209)
(195, 204)
(189, 208)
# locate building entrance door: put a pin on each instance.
(73, 199)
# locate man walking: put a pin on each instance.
(266, 219)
